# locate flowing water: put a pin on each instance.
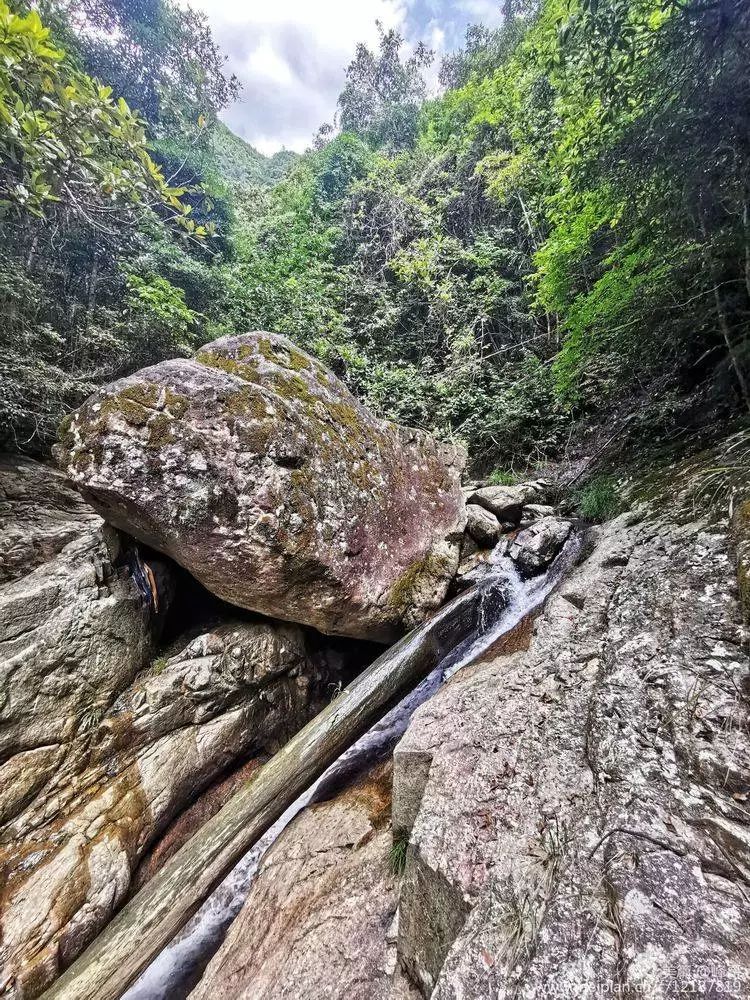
(505, 600)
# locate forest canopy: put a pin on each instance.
(562, 235)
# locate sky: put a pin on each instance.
(291, 55)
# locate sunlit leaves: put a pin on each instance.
(67, 146)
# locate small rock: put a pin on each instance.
(534, 548)
(533, 512)
(472, 571)
(507, 502)
(483, 526)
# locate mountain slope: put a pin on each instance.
(240, 163)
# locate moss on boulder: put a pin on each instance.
(254, 467)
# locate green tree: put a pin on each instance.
(78, 192)
(383, 93)
(67, 148)
(654, 274)
(159, 56)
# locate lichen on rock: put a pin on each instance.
(254, 467)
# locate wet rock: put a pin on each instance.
(482, 526)
(473, 570)
(507, 502)
(534, 548)
(533, 512)
(316, 922)
(575, 809)
(257, 470)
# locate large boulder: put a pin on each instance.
(256, 469)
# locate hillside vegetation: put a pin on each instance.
(562, 235)
(239, 163)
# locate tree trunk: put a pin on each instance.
(726, 334)
(91, 297)
(152, 918)
(722, 316)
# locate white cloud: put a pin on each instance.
(291, 55)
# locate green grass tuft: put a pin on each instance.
(501, 477)
(600, 500)
(398, 855)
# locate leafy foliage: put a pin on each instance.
(599, 500)
(239, 163)
(563, 233)
(565, 229)
(398, 855)
(500, 477)
(79, 192)
(159, 56)
(66, 144)
(383, 92)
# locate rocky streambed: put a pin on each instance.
(560, 810)
(569, 810)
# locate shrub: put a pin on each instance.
(599, 500)
(500, 477)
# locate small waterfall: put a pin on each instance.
(505, 600)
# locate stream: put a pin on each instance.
(505, 600)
